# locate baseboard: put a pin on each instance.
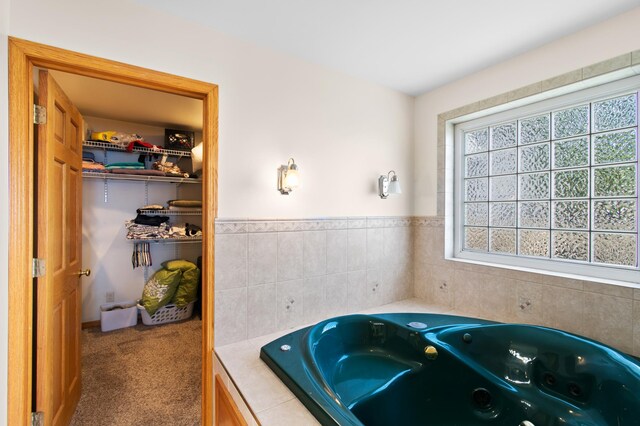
(90, 324)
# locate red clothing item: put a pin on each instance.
(142, 144)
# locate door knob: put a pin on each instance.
(85, 272)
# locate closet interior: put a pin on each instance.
(141, 237)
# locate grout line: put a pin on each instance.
(277, 281)
(246, 283)
(275, 406)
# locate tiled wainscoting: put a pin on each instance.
(608, 313)
(273, 275)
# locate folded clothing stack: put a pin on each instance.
(93, 167)
(132, 168)
(89, 163)
(145, 227)
(184, 205)
(143, 219)
(155, 229)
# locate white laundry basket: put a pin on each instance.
(166, 314)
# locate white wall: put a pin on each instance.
(597, 43)
(342, 131)
(4, 204)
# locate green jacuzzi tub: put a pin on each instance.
(429, 369)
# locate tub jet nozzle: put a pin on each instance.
(431, 353)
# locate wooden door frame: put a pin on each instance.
(23, 56)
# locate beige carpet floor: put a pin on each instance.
(141, 376)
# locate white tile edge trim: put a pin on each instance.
(242, 226)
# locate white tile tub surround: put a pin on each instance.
(273, 275)
(260, 395)
(336, 292)
(231, 263)
(607, 313)
(261, 256)
(263, 311)
(290, 245)
(337, 255)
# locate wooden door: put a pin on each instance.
(58, 239)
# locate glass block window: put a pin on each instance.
(558, 184)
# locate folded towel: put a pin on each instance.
(142, 172)
(152, 207)
(92, 165)
(185, 203)
(130, 164)
(124, 167)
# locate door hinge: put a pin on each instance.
(37, 418)
(38, 268)
(39, 114)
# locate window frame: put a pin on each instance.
(581, 93)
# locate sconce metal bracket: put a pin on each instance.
(383, 186)
(282, 173)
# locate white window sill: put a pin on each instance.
(547, 272)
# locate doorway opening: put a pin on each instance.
(24, 229)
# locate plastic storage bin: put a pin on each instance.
(118, 315)
(166, 314)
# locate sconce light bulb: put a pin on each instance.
(394, 186)
(288, 177)
(292, 179)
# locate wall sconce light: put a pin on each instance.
(288, 177)
(388, 185)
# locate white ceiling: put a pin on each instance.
(101, 98)
(409, 45)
